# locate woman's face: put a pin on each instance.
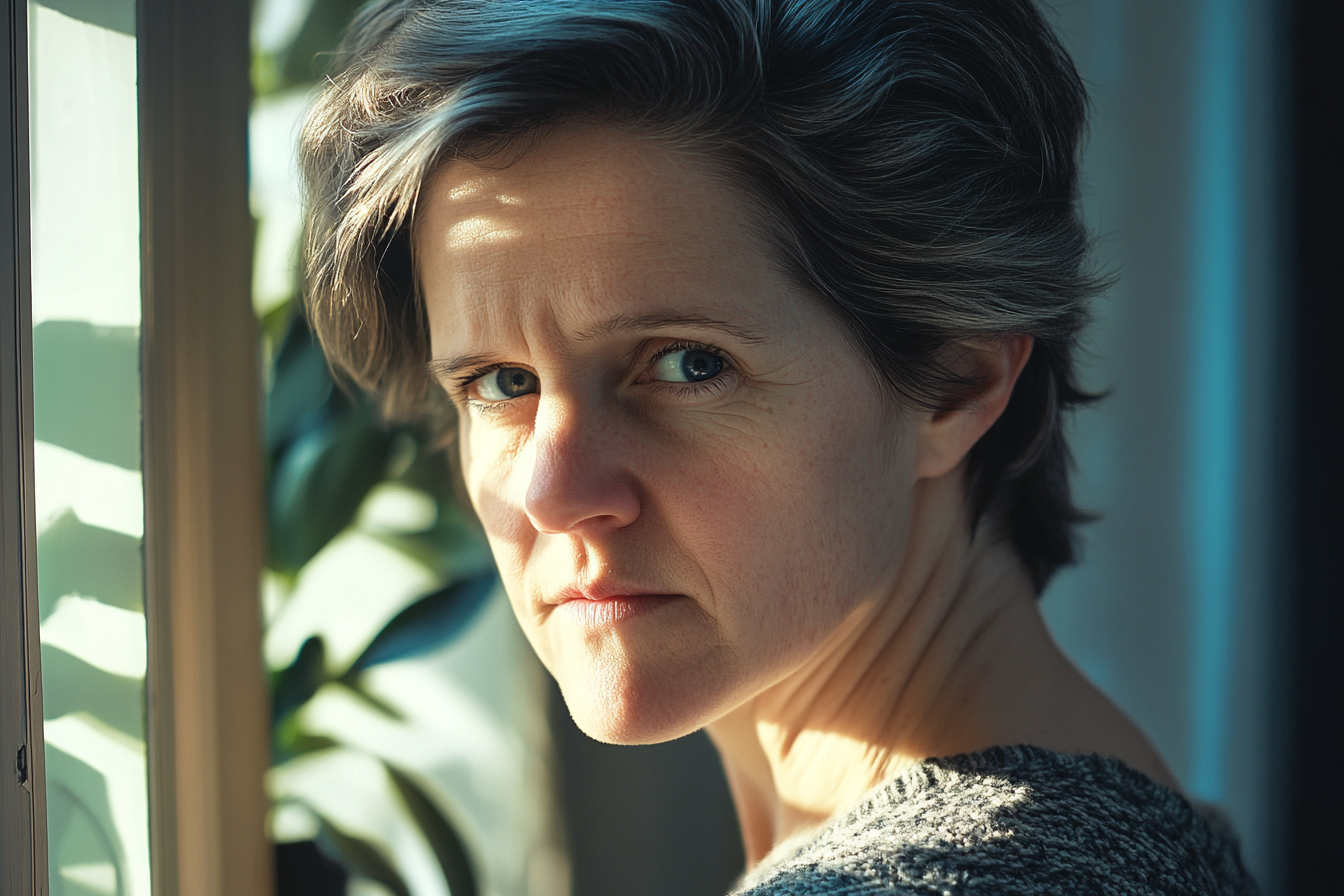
(688, 475)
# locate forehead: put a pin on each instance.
(582, 173)
(588, 218)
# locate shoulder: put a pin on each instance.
(1017, 820)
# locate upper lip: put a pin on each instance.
(599, 591)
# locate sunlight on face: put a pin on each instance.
(478, 229)
(686, 472)
(482, 227)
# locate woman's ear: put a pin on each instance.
(993, 366)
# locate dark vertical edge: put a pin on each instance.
(1280, 505)
(154, 93)
(23, 821)
(1257, 781)
(1317, 432)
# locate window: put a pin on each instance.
(89, 500)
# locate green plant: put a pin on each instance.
(327, 450)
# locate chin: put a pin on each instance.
(619, 709)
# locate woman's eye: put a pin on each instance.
(688, 366)
(505, 383)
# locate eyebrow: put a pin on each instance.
(621, 323)
(446, 368)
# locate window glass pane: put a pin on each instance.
(89, 498)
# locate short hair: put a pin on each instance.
(915, 163)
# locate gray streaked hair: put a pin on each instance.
(915, 161)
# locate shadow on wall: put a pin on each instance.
(653, 820)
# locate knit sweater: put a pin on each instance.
(1011, 820)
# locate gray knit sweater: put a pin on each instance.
(1011, 820)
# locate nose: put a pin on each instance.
(579, 478)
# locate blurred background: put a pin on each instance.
(417, 747)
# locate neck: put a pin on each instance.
(953, 658)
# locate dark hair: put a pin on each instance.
(915, 162)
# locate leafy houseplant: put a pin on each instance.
(327, 450)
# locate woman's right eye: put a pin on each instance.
(504, 383)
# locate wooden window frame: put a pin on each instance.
(206, 694)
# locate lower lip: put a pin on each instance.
(612, 610)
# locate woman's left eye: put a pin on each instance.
(693, 365)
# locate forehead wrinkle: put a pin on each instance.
(626, 322)
(515, 331)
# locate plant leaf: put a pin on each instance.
(296, 685)
(326, 447)
(289, 740)
(441, 549)
(429, 623)
(443, 838)
(300, 384)
(378, 704)
(360, 857)
(319, 481)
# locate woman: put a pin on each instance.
(758, 319)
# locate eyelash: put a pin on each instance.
(705, 387)
(462, 382)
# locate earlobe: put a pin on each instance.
(946, 437)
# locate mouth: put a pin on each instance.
(600, 608)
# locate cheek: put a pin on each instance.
(792, 525)
(489, 455)
(488, 469)
(491, 458)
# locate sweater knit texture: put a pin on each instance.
(1011, 820)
